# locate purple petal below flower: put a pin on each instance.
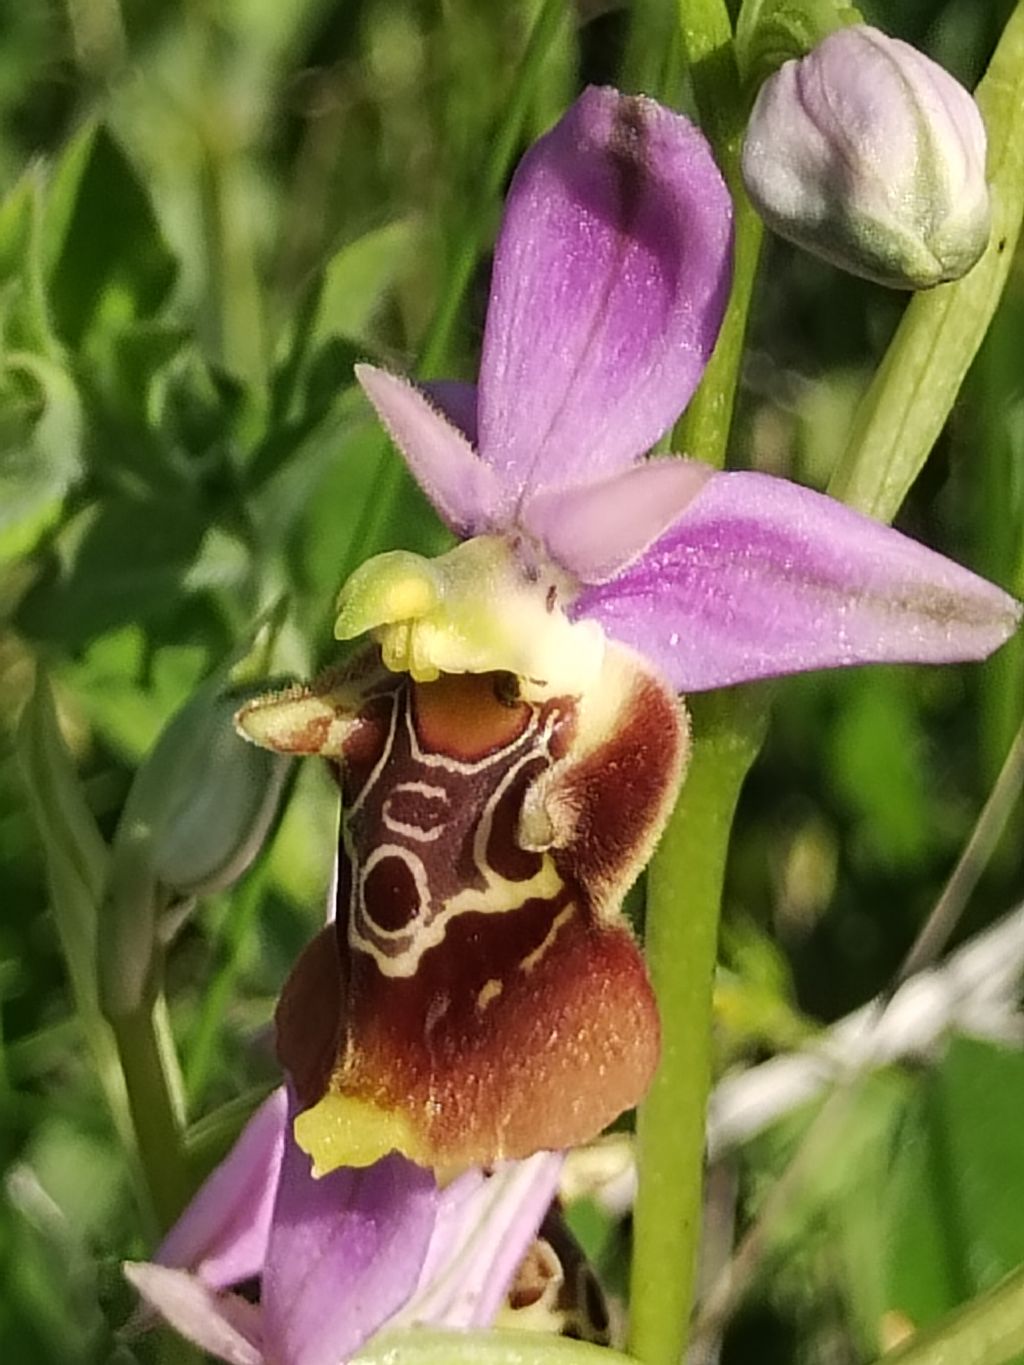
(760, 577)
(225, 1325)
(466, 492)
(345, 1253)
(610, 279)
(596, 529)
(222, 1235)
(485, 1226)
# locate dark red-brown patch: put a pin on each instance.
(390, 893)
(504, 851)
(464, 716)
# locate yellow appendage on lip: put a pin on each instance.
(340, 1130)
(476, 609)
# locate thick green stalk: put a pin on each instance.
(684, 885)
(911, 394)
(684, 890)
(987, 1331)
(155, 1115)
(703, 429)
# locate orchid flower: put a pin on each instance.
(337, 1259)
(510, 746)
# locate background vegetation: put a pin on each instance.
(208, 212)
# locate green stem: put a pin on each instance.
(684, 885)
(155, 1115)
(703, 429)
(911, 394)
(987, 1331)
(423, 1347)
(684, 890)
(650, 62)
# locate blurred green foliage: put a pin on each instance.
(207, 212)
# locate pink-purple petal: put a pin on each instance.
(485, 1226)
(595, 530)
(222, 1234)
(466, 492)
(222, 1324)
(761, 577)
(610, 278)
(345, 1253)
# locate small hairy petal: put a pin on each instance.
(466, 492)
(610, 278)
(345, 1253)
(222, 1235)
(485, 1226)
(761, 577)
(222, 1324)
(596, 529)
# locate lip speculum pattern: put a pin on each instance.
(480, 994)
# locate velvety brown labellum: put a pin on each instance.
(480, 979)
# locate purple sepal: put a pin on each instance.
(611, 274)
(224, 1325)
(485, 1226)
(222, 1235)
(345, 1253)
(760, 577)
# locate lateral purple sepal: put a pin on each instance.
(760, 577)
(485, 1226)
(223, 1325)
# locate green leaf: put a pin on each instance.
(105, 254)
(359, 276)
(954, 1225)
(770, 32)
(40, 448)
(122, 561)
(24, 320)
(76, 869)
(988, 1331)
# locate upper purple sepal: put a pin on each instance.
(611, 275)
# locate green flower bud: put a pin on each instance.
(868, 154)
(196, 816)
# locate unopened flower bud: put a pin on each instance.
(869, 154)
(195, 818)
